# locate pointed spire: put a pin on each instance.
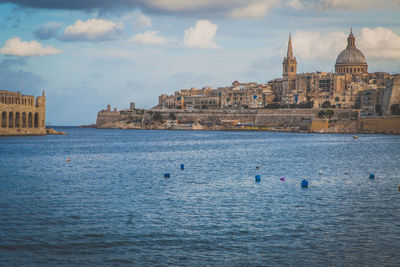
(43, 93)
(351, 30)
(289, 48)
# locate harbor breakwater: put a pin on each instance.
(296, 120)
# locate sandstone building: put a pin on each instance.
(349, 87)
(22, 114)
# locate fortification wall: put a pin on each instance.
(379, 125)
(22, 114)
(105, 116)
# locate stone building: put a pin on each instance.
(351, 86)
(22, 114)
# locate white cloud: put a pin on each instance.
(143, 21)
(295, 4)
(16, 47)
(230, 8)
(379, 43)
(201, 35)
(358, 4)
(314, 45)
(92, 30)
(256, 9)
(150, 37)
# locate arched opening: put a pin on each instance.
(326, 104)
(30, 120)
(36, 120)
(17, 120)
(292, 68)
(10, 120)
(23, 120)
(4, 119)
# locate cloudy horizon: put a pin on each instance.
(87, 54)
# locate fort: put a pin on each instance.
(22, 114)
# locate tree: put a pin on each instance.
(321, 114)
(157, 116)
(172, 116)
(329, 113)
(395, 108)
(273, 106)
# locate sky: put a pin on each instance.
(87, 54)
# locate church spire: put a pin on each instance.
(289, 48)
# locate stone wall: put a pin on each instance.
(105, 116)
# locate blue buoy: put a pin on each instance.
(258, 178)
(182, 167)
(371, 176)
(304, 183)
(167, 175)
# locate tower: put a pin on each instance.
(289, 62)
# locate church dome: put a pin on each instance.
(351, 55)
(351, 60)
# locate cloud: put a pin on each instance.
(379, 43)
(16, 47)
(201, 35)
(295, 4)
(143, 21)
(149, 37)
(47, 31)
(92, 30)
(357, 4)
(18, 80)
(314, 45)
(256, 9)
(224, 8)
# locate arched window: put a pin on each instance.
(30, 120)
(36, 120)
(4, 119)
(17, 120)
(292, 68)
(23, 120)
(10, 120)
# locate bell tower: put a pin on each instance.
(289, 62)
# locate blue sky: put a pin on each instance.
(87, 54)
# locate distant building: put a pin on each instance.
(22, 114)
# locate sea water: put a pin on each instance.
(111, 205)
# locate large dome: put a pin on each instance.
(351, 55)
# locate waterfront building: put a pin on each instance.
(22, 114)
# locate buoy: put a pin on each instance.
(182, 166)
(68, 160)
(371, 176)
(257, 167)
(346, 173)
(355, 137)
(282, 178)
(304, 183)
(167, 175)
(320, 172)
(258, 178)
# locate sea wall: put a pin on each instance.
(387, 125)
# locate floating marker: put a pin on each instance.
(346, 173)
(371, 176)
(167, 175)
(282, 178)
(257, 167)
(182, 167)
(355, 137)
(258, 178)
(304, 183)
(320, 172)
(68, 160)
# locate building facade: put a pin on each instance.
(22, 114)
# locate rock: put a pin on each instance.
(51, 131)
